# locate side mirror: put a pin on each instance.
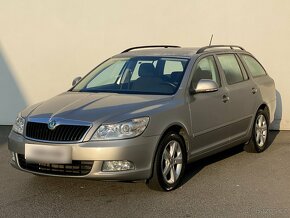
(205, 85)
(76, 80)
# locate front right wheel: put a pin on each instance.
(169, 164)
(260, 132)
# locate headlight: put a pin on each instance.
(19, 124)
(123, 130)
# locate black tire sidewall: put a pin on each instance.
(169, 137)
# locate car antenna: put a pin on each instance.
(210, 40)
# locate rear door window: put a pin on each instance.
(231, 68)
(254, 66)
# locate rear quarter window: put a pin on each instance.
(254, 66)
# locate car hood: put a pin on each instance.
(94, 107)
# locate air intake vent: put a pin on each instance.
(76, 168)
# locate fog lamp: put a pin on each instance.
(117, 165)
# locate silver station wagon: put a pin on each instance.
(147, 112)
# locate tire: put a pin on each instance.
(169, 164)
(260, 133)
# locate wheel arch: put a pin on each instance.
(265, 108)
(181, 130)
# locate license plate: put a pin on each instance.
(48, 154)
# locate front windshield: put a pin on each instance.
(144, 75)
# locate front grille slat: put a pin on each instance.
(42, 132)
(66, 133)
(70, 134)
(76, 168)
(58, 133)
(62, 133)
(80, 132)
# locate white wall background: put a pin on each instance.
(45, 44)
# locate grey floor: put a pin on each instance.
(230, 184)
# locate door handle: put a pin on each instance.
(226, 98)
(254, 90)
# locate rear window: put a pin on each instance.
(254, 66)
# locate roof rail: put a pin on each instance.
(218, 46)
(150, 46)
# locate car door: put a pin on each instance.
(209, 111)
(241, 92)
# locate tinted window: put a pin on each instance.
(231, 68)
(205, 69)
(254, 66)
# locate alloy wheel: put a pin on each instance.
(172, 160)
(261, 132)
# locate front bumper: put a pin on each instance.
(139, 150)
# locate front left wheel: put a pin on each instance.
(169, 164)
